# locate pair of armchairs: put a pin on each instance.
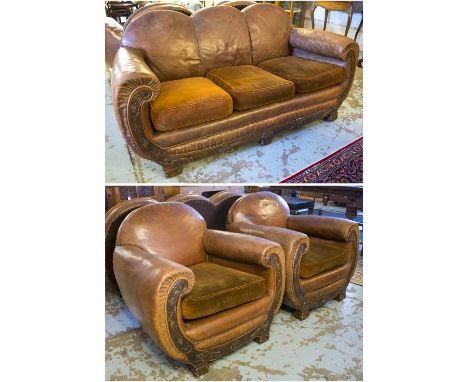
(201, 293)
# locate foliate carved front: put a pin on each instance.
(196, 357)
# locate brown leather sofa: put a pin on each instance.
(198, 293)
(214, 210)
(113, 35)
(114, 217)
(187, 87)
(320, 252)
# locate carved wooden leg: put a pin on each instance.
(341, 296)
(332, 117)
(301, 314)
(172, 170)
(199, 370)
(265, 140)
(262, 338)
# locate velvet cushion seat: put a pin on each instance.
(321, 258)
(187, 102)
(250, 86)
(218, 288)
(306, 75)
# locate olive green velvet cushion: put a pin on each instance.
(321, 258)
(219, 288)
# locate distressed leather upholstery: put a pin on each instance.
(306, 75)
(187, 102)
(166, 262)
(218, 288)
(159, 46)
(320, 252)
(250, 86)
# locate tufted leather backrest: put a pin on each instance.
(200, 204)
(114, 218)
(263, 208)
(173, 231)
(223, 37)
(269, 28)
(168, 41)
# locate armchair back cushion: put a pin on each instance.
(173, 231)
(177, 46)
(262, 208)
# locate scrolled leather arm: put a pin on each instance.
(131, 72)
(288, 239)
(147, 283)
(243, 248)
(324, 227)
(324, 43)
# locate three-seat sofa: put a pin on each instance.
(185, 87)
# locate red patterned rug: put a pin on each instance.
(342, 166)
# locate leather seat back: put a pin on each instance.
(200, 204)
(223, 37)
(269, 28)
(168, 41)
(173, 231)
(262, 208)
(223, 201)
(114, 218)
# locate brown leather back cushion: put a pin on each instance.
(167, 39)
(223, 37)
(173, 231)
(263, 208)
(176, 46)
(269, 27)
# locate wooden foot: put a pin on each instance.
(172, 170)
(266, 140)
(341, 296)
(262, 338)
(301, 314)
(332, 117)
(199, 370)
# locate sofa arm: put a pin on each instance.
(133, 85)
(324, 43)
(324, 227)
(242, 248)
(149, 285)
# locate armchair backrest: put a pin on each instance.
(223, 201)
(173, 231)
(177, 46)
(239, 4)
(114, 218)
(200, 204)
(263, 208)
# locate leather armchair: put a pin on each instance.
(320, 252)
(199, 294)
(115, 217)
(187, 87)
